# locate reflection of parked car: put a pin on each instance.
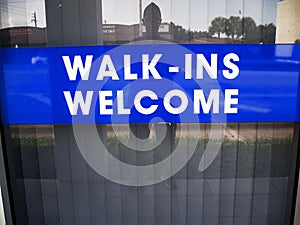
(37, 60)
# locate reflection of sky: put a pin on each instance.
(20, 13)
(194, 14)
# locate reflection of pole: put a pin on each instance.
(243, 20)
(140, 18)
(34, 19)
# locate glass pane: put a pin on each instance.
(193, 21)
(22, 23)
(248, 179)
(246, 183)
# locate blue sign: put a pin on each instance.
(150, 84)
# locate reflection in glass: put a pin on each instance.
(248, 181)
(51, 182)
(22, 23)
(194, 21)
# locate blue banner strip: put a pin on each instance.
(150, 84)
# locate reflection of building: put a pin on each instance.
(121, 34)
(22, 36)
(112, 34)
(288, 31)
(288, 21)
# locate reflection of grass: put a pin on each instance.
(33, 141)
(246, 158)
(113, 142)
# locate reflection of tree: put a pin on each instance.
(181, 35)
(249, 30)
(233, 27)
(218, 26)
(242, 30)
(267, 33)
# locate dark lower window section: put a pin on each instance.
(247, 183)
